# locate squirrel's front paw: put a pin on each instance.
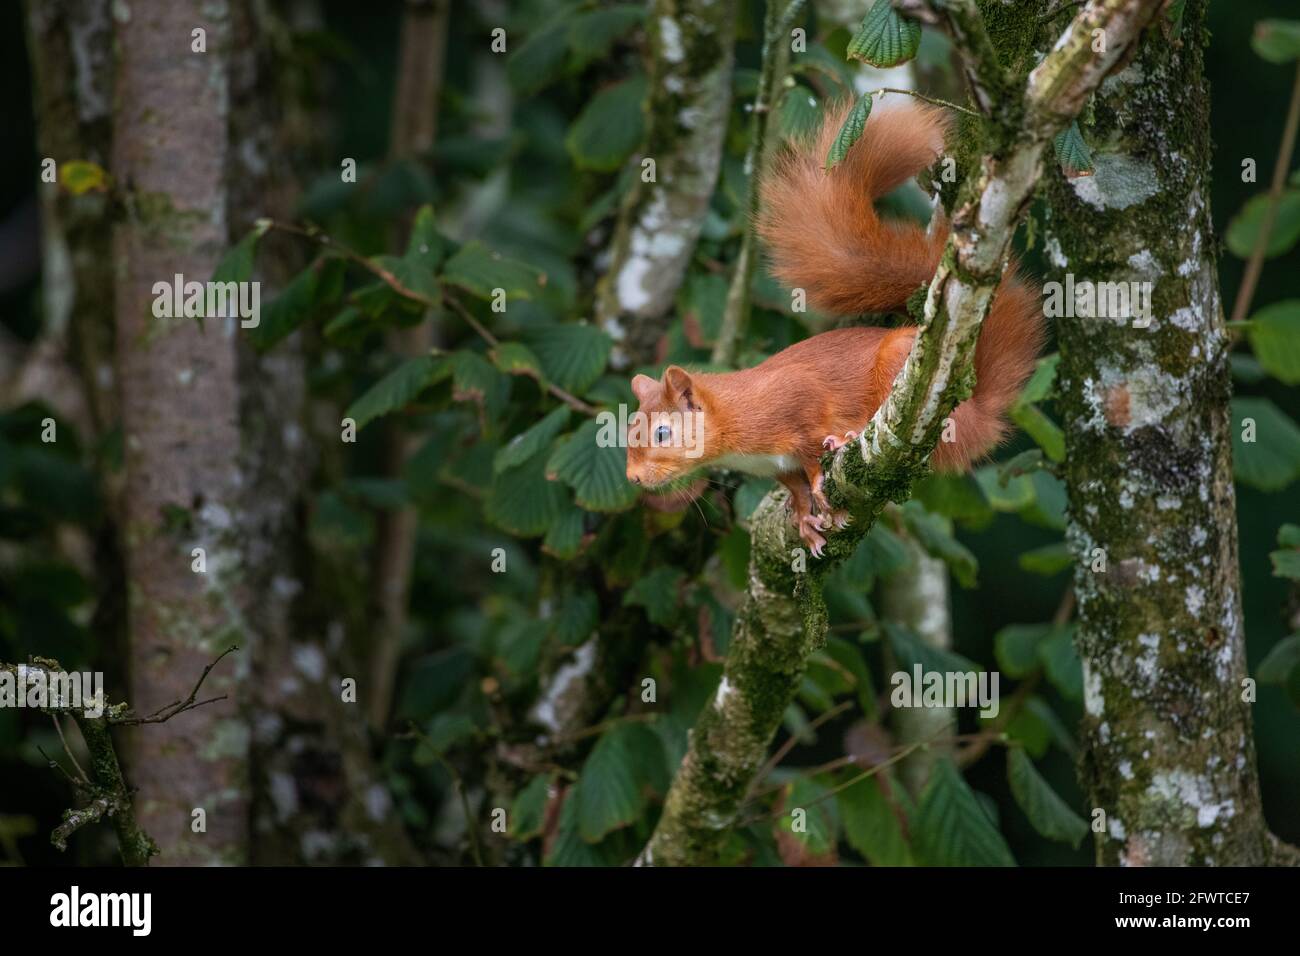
(810, 527)
(834, 443)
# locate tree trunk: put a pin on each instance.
(180, 416)
(691, 49)
(1169, 751)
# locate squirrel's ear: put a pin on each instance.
(644, 387)
(679, 387)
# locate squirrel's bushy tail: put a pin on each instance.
(824, 236)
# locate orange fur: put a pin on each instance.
(825, 237)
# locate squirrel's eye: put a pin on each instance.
(663, 435)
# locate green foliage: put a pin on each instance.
(886, 38)
(1050, 815)
(1275, 338)
(951, 828)
(1072, 152)
(850, 132)
(1265, 444)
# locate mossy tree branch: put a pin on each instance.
(783, 618)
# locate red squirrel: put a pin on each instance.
(823, 235)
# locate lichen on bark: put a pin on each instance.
(1169, 753)
(686, 110)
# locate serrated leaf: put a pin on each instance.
(871, 824)
(850, 131)
(1042, 384)
(798, 113)
(481, 272)
(1244, 228)
(398, 388)
(657, 592)
(475, 379)
(595, 470)
(626, 761)
(522, 501)
(573, 354)
(313, 289)
(609, 127)
(1072, 152)
(1275, 338)
(529, 442)
(1050, 815)
(1277, 41)
(1271, 461)
(528, 810)
(564, 537)
(569, 848)
(425, 245)
(515, 358)
(951, 828)
(237, 264)
(886, 38)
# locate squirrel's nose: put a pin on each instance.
(635, 479)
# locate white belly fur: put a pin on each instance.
(762, 466)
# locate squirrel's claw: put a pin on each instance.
(810, 531)
(834, 443)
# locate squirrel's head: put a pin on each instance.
(665, 438)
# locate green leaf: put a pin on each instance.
(934, 534)
(1050, 815)
(481, 272)
(886, 38)
(573, 354)
(1280, 661)
(564, 537)
(955, 496)
(1061, 661)
(594, 469)
(398, 387)
(1244, 229)
(610, 127)
(477, 380)
(1286, 564)
(1072, 152)
(1275, 338)
(521, 500)
(425, 245)
(657, 592)
(1046, 434)
(528, 810)
(749, 495)
(797, 113)
(577, 617)
(1016, 648)
(1048, 560)
(951, 828)
(871, 824)
(1246, 368)
(592, 34)
(528, 443)
(237, 264)
(569, 848)
(819, 828)
(1288, 536)
(1016, 494)
(626, 761)
(1271, 459)
(1277, 41)
(851, 130)
(317, 286)
(540, 59)
(1042, 384)
(80, 176)
(515, 358)
(911, 650)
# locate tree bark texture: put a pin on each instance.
(180, 417)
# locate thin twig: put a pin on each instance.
(179, 707)
(1256, 263)
(415, 733)
(68, 750)
(929, 99)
